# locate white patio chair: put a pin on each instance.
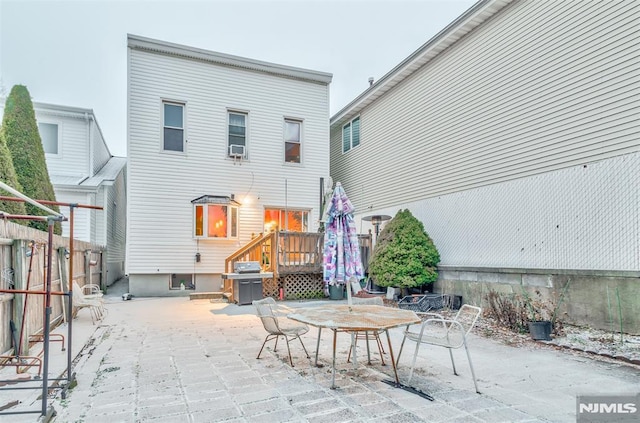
(368, 335)
(447, 333)
(93, 302)
(276, 324)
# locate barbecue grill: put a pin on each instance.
(247, 281)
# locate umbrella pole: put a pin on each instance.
(354, 356)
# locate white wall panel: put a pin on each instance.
(541, 86)
(161, 185)
(583, 217)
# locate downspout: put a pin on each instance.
(89, 120)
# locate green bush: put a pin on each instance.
(20, 132)
(405, 255)
(9, 177)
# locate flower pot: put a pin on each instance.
(336, 292)
(540, 331)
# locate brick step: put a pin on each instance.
(208, 296)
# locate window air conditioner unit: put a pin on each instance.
(236, 151)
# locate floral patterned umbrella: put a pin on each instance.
(341, 249)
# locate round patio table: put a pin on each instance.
(354, 318)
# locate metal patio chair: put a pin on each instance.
(375, 335)
(93, 302)
(276, 324)
(447, 333)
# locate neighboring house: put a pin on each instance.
(514, 135)
(221, 148)
(83, 171)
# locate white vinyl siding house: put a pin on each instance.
(514, 135)
(166, 188)
(83, 171)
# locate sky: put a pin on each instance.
(73, 53)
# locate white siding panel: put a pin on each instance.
(162, 185)
(100, 150)
(82, 217)
(583, 217)
(542, 86)
(73, 145)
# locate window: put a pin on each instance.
(237, 134)
(215, 217)
(292, 141)
(351, 135)
(291, 220)
(173, 121)
(49, 136)
(182, 281)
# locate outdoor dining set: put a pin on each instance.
(367, 320)
(362, 318)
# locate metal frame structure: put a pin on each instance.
(54, 217)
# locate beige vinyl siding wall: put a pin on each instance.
(543, 85)
(161, 185)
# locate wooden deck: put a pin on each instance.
(286, 254)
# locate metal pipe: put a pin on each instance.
(28, 200)
(70, 290)
(24, 291)
(54, 203)
(47, 324)
(26, 297)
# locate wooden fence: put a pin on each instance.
(23, 261)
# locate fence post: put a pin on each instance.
(64, 281)
(20, 271)
(104, 282)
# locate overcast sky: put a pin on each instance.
(74, 53)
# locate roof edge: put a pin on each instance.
(444, 38)
(152, 45)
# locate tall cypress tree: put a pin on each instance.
(9, 177)
(20, 132)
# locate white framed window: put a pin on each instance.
(215, 217)
(292, 141)
(173, 126)
(50, 136)
(237, 134)
(351, 134)
(280, 219)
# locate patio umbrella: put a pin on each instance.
(341, 249)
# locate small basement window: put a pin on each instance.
(215, 217)
(178, 280)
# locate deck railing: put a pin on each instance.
(286, 253)
(299, 252)
(260, 249)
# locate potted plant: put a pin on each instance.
(336, 290)
(543, 313)
(404, 256)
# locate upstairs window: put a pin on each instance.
(49, 136)
(292, 143)
(237, 136)
(173, 121)
(351, 135)
(215, 217)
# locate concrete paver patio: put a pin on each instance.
(175, 360)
